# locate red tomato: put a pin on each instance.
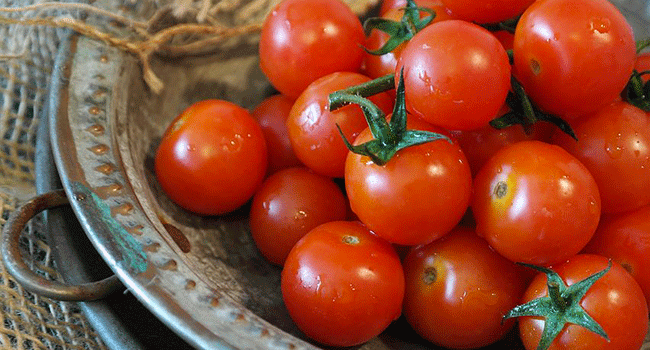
(458, 290)
(212, 158)
(481, 144)
(272, 114)
(487, 11)
(415, 198)
(303, 40)
(506, 38)
(625, 238)
(535, 203)
(342, 285)
(312, 127)
(615, 302)
(289, 204)
(614, 144)
(456, 75)
(573, 56)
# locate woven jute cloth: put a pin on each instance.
(30, 321)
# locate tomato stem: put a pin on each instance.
(642, 45)
(389, 137)
(366, 89)
(401, 31)
(637, 92)
(561, 306)
(508, 25)
(525, 113)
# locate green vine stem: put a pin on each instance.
(642, 45)
(366, 89)
(401, 31)
(637, 92)
(389, 137)
(561, 306)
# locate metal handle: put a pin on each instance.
(33, 282)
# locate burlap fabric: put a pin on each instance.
(30, 321)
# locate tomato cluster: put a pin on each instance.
(470, 166)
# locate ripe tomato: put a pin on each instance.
(615, 301)
(456, 75)
(481, 144)
(303, 40)
(535, 203)
(312, 127)
(458, 290)
(289, 204)
(614, 144)
(272, 114)
(415, 198)
(573, 56)
(376, 66)
(642, 64)
(625, 238)
(487, 11)
(211, 158)
(342, 285)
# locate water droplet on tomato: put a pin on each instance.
(613, 151)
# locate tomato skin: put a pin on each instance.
(615, 301)
(289, 204)
(272, 114)
(614, 144)
(458, 290)
(487, 11)
(312, 127)
(415, 198)
(573, 57)
(625, 238)
(456, 75)
(535, 203)
(212, 158)
(342, 285)
(303, 40)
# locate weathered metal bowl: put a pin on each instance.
(201, 276)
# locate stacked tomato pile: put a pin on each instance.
(469, 165)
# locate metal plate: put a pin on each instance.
(201, 276)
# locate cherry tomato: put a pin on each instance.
(342, 285)
(272, 114)
(615, 301)
(289, 204)
(573, 56)
(625, 238)
(458, 290)
(481, 144)
(535, 203)
(303, 40)
(212, 158)
(614, 144)
(313, 128)
(456, 75)
(376, 66)
(506, 38)
(487, 11)
(417, 196)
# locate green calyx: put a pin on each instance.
(401, 31)
(389, 137)
(637, 92)
(523, 112)
(642, 45)
(561, 306)
(508, 25)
